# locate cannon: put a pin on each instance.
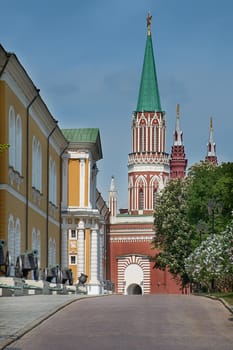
(53, 273)
(67, 276)
(5, 259)
(82, 279)
(27, 262)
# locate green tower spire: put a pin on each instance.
(148, 98)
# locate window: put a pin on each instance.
(141, 199)
(14, 239)
(36, 164)
(15, 140)
(73, 233)
(52, 252)
(18, 144)
(12, 137)
(36, 244)
(154, 198)
(52, 181)
(73, 259)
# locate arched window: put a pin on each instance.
(52, 181)
(14, 240)
(52, 252)
(36, 164)
(141, 199)
(18, 144)
(11, 243)
(36, 243)
(39, 167)
(154, 198)
(12, 137)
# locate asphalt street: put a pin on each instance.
(158, 322)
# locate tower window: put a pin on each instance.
(154, 198)
(141, 199)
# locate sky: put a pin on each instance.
(86, 58)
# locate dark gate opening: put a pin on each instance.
(134, 289)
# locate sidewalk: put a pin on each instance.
(18, 315)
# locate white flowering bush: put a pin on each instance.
(213, 261)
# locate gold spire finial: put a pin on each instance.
(149, 18)
(177, 109)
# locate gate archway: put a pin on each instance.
(134, 289)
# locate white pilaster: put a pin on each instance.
(64, 248)
(94, 286)
(81, 248)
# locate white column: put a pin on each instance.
(64, 248)
(94, 256)
(101, 253)
(81, 248)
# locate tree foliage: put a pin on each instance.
(173, 233)
(213, 260)
(180, 237)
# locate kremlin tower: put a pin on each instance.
(178, 163)
(130, 258)
(211, 146)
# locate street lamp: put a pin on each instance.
(201, 228)
(212, 205)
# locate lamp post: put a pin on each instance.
(201, 228)
(212, 205)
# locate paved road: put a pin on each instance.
(158, 322)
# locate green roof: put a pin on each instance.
(89, 137)
(81, 135)
(148, 98)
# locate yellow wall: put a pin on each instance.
(73, 182)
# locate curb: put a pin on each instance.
(227, 306)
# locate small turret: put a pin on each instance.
(211, 146)
(112, 198)
(178, 162)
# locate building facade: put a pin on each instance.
(84, 212)
(30, 191)
(48, 196)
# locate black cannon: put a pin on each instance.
(67, 276)
(58, 275)
(27, 262)
(82, 279)
(53, 274)
(5, 259)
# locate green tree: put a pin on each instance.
(173, 234)
(213, 261)
(207, 181)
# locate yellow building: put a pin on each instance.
(48, 196)
(84, 212)
(30, 170)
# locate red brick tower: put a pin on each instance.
(178, 162)
(130, 257)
